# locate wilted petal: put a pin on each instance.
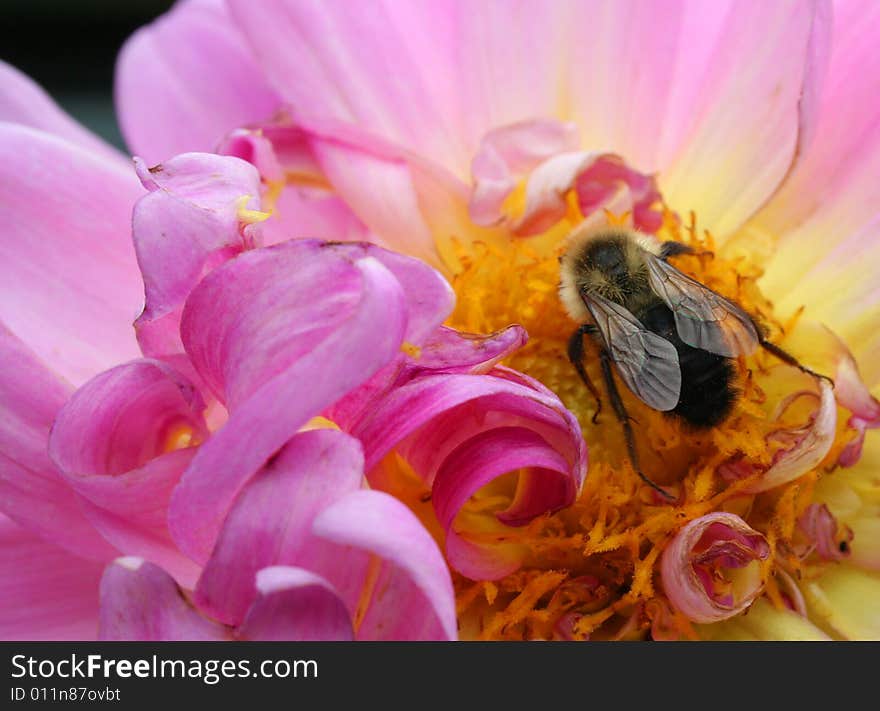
(821, 529)
(408, 592)
(270, 522)
(709, 569)
(22, 101)
(809, 444)
(45, 592)
(32, 491)
(295, 605)
(141, 602)
(122, 442)
(69, 283)
(846, 601)
(190, 222)
(278, 347)
(186, 80)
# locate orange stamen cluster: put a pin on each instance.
(590, 571)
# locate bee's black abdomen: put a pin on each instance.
(707, 392)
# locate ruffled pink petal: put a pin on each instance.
(117, 442)
(31, 490)
(141, 602)
(23, 101)
(186, 80)
(508, 153)
(278, 347)
(807, 446)
(307, 206)
(270, 522)
(408, 593)
(69, 283)
(598, 178)
(45, 592)
(187, 224)
(692, 567)
(293, 604)
(822, 530)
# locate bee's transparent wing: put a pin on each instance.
(646, 362)
(703, 319)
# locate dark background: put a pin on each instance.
(69, 47)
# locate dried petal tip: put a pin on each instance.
(828, 539)
(710, 569)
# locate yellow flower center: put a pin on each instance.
(591, 570)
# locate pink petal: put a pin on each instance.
(307, 205)
(809, 444)
(751, 73)
(141, 602)
(597, 178)
(478, 461)
(186, 225)
(834, 183)
(69, 283)
(508, 153)
(23, 101)
(295, 605)
(270, 522)
(186, 80)
(717, 539)
(45, 592)
(31, 490)
(116, 442)
(411, 597)
(278, 347)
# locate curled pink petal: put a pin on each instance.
(32, 491)
(507, 153)
(822, 530)
(141, 602)
(408, 593)
(295, 605)
(270, 522)
(270, 339)
(122, 442)
(478, 461)
(809, 444)
(694, 567)
(186, 225)
(46, 593)
(448, 350)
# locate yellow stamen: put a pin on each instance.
(248, 216)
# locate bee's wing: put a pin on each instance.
(646, 362)
(703, 319)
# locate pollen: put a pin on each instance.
(613, 535)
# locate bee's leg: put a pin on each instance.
(576, 356)
(672, 249)
(623, 416)
(786, 357)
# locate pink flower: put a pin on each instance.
(477, 137)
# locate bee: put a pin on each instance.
(672, 340)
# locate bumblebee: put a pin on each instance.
(671, 339)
